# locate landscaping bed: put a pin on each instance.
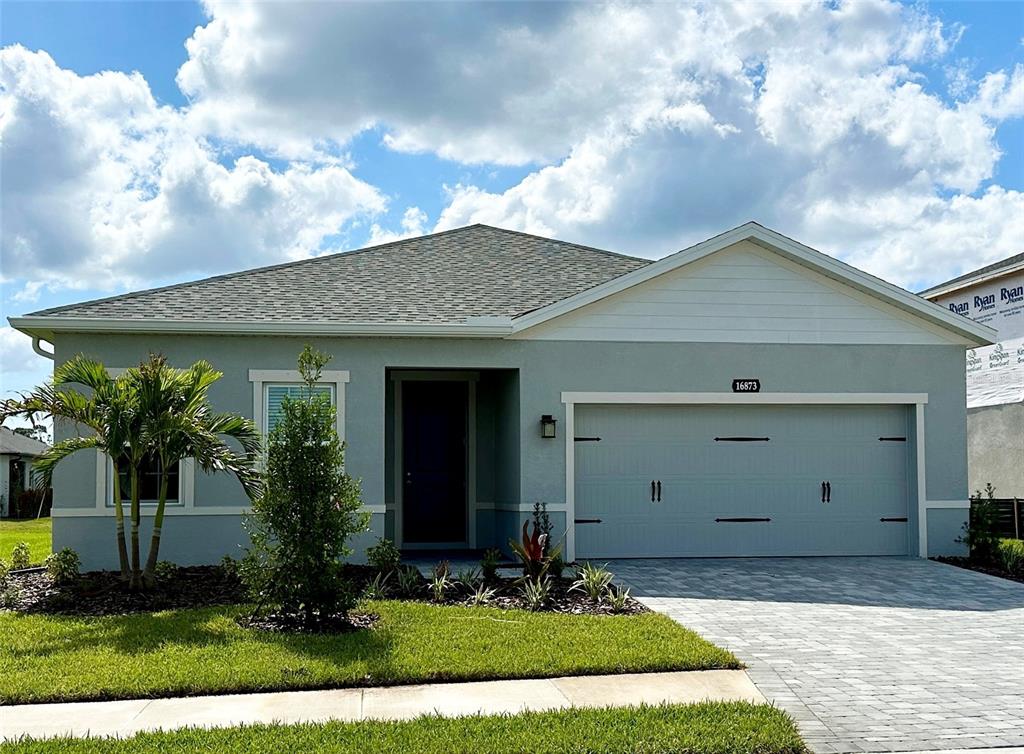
(970, 565)
(47, 658)
(706, 728)
(101, 593)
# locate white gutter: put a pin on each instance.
(473, 327)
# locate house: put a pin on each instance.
(994, 296)
(16, 454)
(745, 396)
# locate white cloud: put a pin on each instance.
(414, 223)
(104, 187)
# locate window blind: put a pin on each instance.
(277, 393)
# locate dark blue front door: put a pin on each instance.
(434, 424)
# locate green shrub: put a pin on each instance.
(165, 570)
(1010, 555)
(981, 533)
(384, 555)
(229, 566)
(21, 556)
(4, 571)
(308, 510)
(489, 564)
(592, 580)
(63, 566)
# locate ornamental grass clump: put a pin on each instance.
(309, 509)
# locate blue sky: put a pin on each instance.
(889, 135)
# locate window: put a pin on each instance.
(149, 483)
(275, 395)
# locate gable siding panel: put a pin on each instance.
(741, 295)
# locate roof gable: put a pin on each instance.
(741, 294)
(930, 323)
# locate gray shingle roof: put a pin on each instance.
(978, 273)
(11, 443)
(441, 278)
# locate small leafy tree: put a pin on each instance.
(308, 510)
(981, 534)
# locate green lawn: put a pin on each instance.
(34, 531)
(706, 728)
(187, 652)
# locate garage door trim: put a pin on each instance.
(571, 399)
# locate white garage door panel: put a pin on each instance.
(703, 480)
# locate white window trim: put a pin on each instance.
(186, 486)
(261, 378)
(916, 400)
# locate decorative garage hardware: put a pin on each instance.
(586, 439)
(587, 520)
(547, 426)
(659, 490)
(656, 491)
(892, 439)
(898, 520)
(741, 520)
(746, 385)
(742, 439)
(826, 492)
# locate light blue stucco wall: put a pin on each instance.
(526, 467)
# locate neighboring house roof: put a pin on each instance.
(444, 277)
(11, 443)
(476, 281)
(980, 275)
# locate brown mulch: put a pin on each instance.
(103, 593)
(295, 623)
(962, 562)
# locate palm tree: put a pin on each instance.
(177, 423)
(111, 413)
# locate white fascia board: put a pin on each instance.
(947, 288)
(974, 332)
(46, 325)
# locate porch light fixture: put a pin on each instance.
(547, 426)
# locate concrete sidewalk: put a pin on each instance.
(124, 718)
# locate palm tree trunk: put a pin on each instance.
(122, 548)
(149, 575)
(136, 578)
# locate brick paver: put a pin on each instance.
(867, 654)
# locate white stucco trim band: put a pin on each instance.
(201, 510)
(571, 399)
(948, 504)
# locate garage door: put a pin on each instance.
(698, 481)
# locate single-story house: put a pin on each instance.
(17, 451)
(745, 396)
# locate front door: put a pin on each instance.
(434, 431)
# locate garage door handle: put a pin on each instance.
(659, 490)
(741, 520)
(587, 520)
(828, 492)
(894, 520)
(652, 490)
(823, 492)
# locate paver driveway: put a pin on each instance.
(867, 654)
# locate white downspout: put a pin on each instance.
(39, 350)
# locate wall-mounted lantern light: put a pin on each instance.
(547, 426)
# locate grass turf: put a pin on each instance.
(706, 728)
(34, 531)
(189, 652)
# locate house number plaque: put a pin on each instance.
(746, 386)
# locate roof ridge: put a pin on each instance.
(318, 259)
